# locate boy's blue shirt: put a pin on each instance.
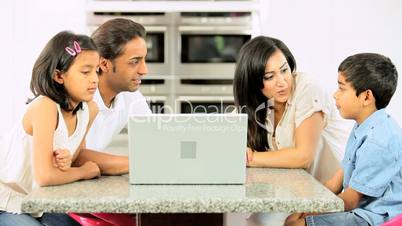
(372, 166)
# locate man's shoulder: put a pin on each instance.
(128, 97)
(133, 102)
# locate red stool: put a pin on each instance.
(396, 221)
(104, 219)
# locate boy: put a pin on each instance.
(370, 181)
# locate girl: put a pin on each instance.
(40, 149)
(292, 122)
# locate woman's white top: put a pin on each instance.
(306, 99)
(16, 173)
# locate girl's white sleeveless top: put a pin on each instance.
(16, 173)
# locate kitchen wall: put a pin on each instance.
(6, 59)
(321, 33)
(26, 27)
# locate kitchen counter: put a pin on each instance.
(266, 190)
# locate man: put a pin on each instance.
(122, 47)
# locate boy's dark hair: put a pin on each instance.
(248, 82)
(371, 71)
(55, 57)
(112, 36)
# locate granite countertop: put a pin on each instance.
(266, 190)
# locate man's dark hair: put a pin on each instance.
(112, 36)
(371, 71)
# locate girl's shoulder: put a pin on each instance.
(42, 104)
(41, 109)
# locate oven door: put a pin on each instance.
(157, 50)
(205, 104)
(209, 51)
(158, 90)
(157, 104)
(156, 26)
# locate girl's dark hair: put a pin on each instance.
(248, 83)
(54, 57)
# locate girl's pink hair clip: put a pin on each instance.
(75, 51)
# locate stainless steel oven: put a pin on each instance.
(191, 57)
(204, 104)
(159, 92)
(207, 95)
(158, 29)
(208, 42)
(157, 104)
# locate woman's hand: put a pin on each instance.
(62, 159)
(250, 154)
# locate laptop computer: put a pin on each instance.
(187, 148)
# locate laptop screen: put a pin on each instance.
(187, 148)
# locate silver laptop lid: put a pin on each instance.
(187, 148)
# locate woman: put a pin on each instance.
(292, 123)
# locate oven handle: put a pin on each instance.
(156, 98)
(155, 28)
(204, 98)
(225, 29)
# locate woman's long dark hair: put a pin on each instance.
(248, 83)
(54, 57)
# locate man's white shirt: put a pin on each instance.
(110, 121)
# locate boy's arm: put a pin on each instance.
(351, 198)
(335, 183)
(373, 171)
